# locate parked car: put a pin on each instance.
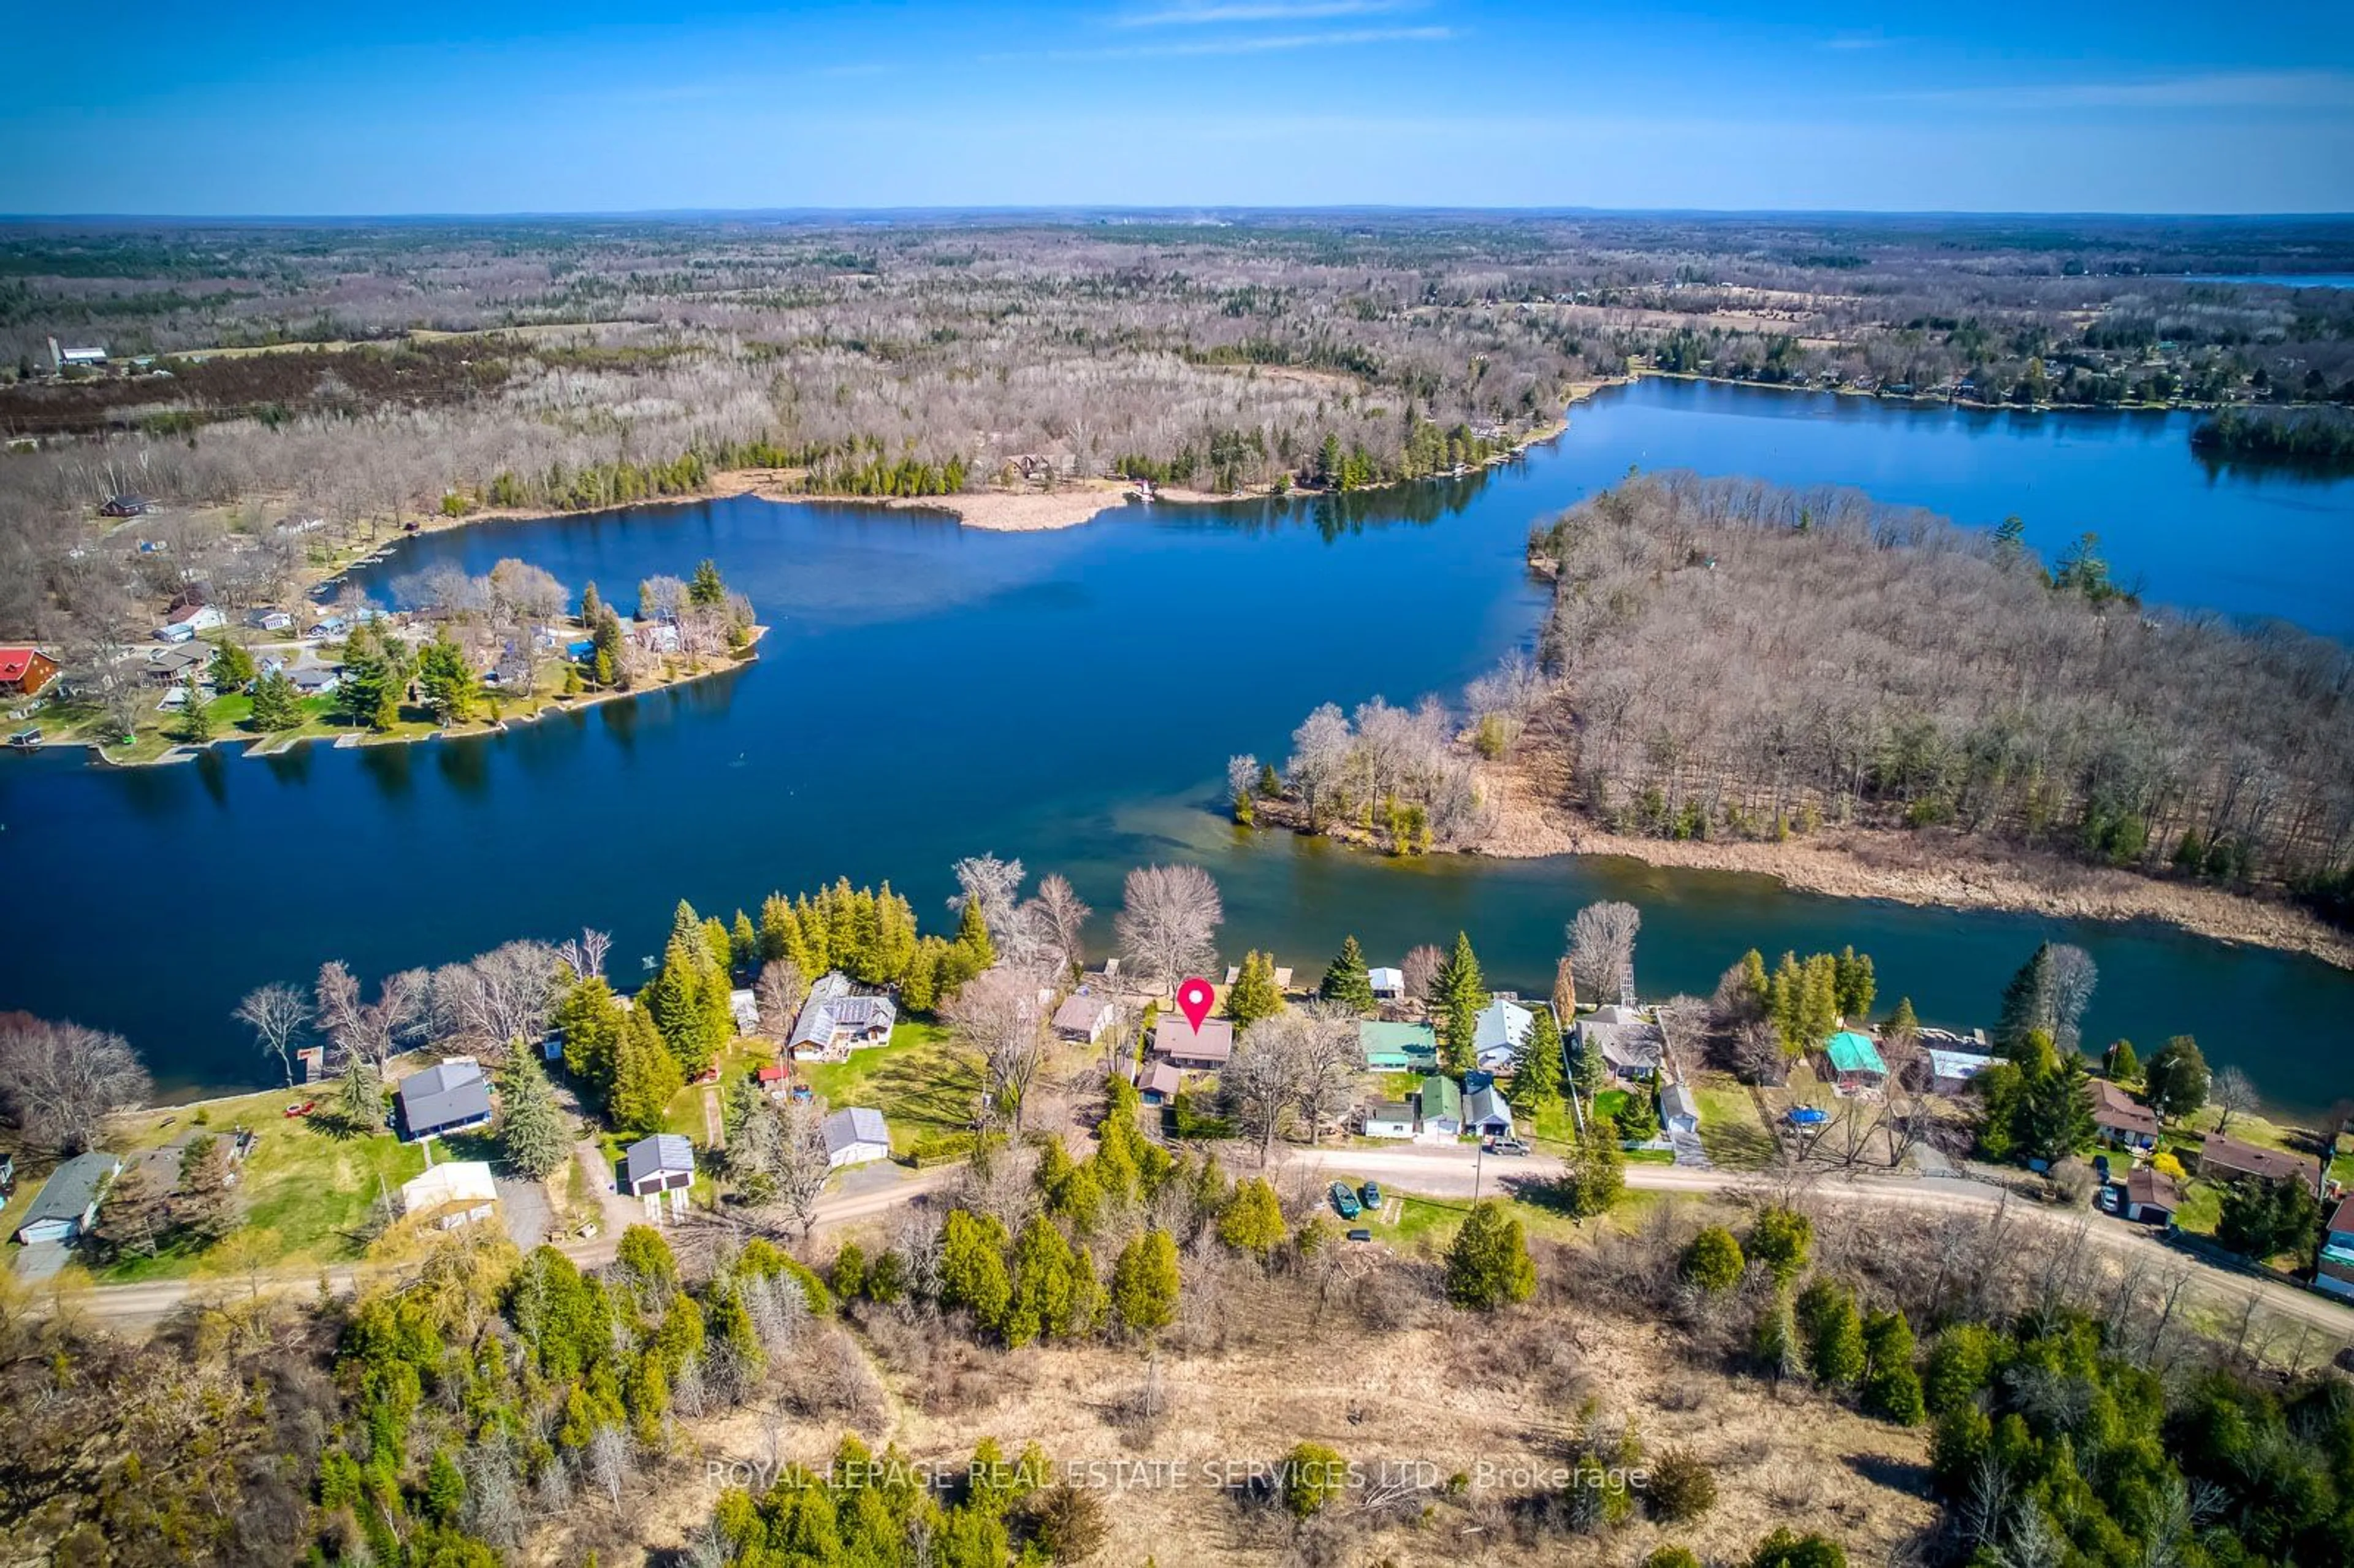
(1507, 1146)
(1345, 1202)
(1372, 1192)
(1360, 1234)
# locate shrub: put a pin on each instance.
(1489, 1263)
(1068, 1523)
(941, 1148)
(1671, 1557)
(1681, 1487)
(1308, 1478)
(1713, 1260)
(1785, 1549)
(1780, 1239)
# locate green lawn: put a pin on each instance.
(915, 1082)
(309, 1189)
(2201, 1208)
(1731, 1131)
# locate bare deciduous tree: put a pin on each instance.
(59, 1082)
(1602, 950)
(2233, 1093)
(584, 955)
(998, 1021)
(1168, 923)
(1420, 970)
(277, 1014)
(778, 992)
(995, 885)
(1058, 921)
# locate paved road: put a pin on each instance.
(1452, 1172)
(1422, 1169)
(864, 1194)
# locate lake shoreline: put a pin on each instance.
(1928, 869)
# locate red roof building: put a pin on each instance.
(25, 671)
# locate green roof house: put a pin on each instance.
(1439, 1106)
(1855, 1061)
(1398, 1047)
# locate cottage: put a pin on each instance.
(2151, 1198)
(1855, 1062)
(1485, 1112)
(170, 666)
(857, 1136)
(1632, 1045)
(1438, 1110)
(126, 506)
(2334, 1270)
(316, 679)
(68, 1205)
(836, 1021)
(1679, 1109)
(446, 1196)
(1390, 1118)
(2224, 1158)
(1389, 985)
(1204, 1050)
(268, 619)
(1503, 1026)
(744, 1009)
(1083, 1018)
(1159, 1083)
(25, 671)
(654, 1166)
(1398, 1047)
(328, 626)
(2120, 1121)
(1950, 1072)
(452, 1096)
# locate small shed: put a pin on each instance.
(856, 1136)
(2150, 1197)
(1679, 1109)
(1161, 1083)
(1389, 985)
(1083, 1017)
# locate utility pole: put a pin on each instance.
(1478, 1161)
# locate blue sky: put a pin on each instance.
(432, 107)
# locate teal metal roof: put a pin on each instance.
(1853, 1053)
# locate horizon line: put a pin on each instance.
(1181, 210)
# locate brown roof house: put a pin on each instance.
(1181, 1044)
(1082, 1019)
(2223, 1159)
(2150, 1197)
(2121, 1120)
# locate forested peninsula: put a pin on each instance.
(1737, 675)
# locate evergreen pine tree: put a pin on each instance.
(532, 1133)
(706, 588)
(645, 1074)
(276, 705)
(1144, 1283)
(1903, 1025)
(359, 1096)
(1252, 1219)
(1348, 981)
(1487, 1266)
(1539, 1072)
(1253, 995)
(2026, 1000)
(446, 679)
(589, 1018)
(2124, 1066)
(1458, 994)
(204, 1207)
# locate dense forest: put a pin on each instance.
(1736, 658)
(362, 375)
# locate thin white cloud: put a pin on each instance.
(1858, 41)
(1209, 13)
(2214, 89)
(1247, 43)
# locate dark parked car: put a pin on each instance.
(1372, 1192)
(1360, 1234)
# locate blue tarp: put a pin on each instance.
(1806, 1116)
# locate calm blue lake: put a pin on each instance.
(1071, 697)
(2276, 280)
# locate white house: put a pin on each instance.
(1391, 1118)
(1389, 985)
(857, 1136)
(836, 1021)
(1438, 1110)
(269, 619)
(450, 1195)
(69, 1202)
(1631, 1045)
(1083, 1018)
(1679, 1110)
(189, 619)
(1503, 1026)
(1485, 1112)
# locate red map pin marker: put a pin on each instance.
(1194, 998)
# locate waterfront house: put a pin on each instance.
(836, 1020)
(2151, 1198)
(69, 1202)
(1485, 1112)
(857, 1136)
(743, 1010)
(1398, 1047)
(328, 626)
(455, 1193)
(2120, 1121)
(2333, 1269)
(268, 619)
(1204, 1050)
(654, 1166)
(170, 666)
(1438, 1110)
(1389, 985)
(1678, 1110)
(1390, 1118)
(1855, 1062)
(451, 1097)
(126, 506)
(1950, 1072)
(25, 671)
(1632, 1045)
(1083, 1018)
(2221, 1159)
(316, 679)
(1504, 1024)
